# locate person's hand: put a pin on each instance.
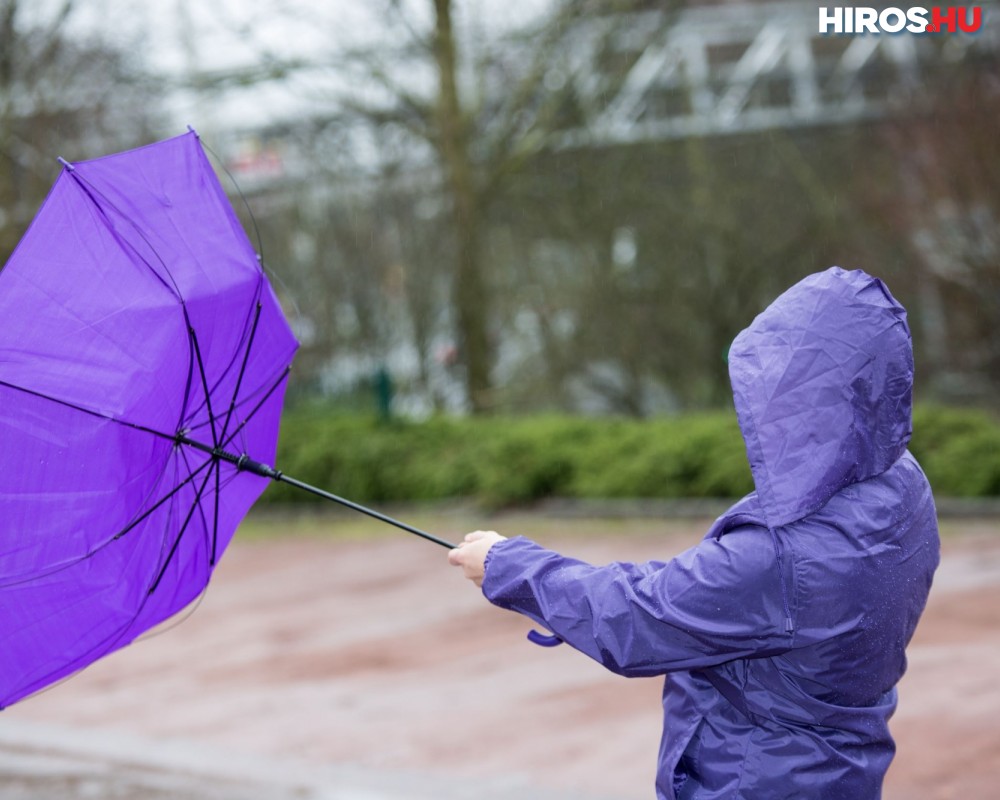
(470, 555)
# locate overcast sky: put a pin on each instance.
(178, 37)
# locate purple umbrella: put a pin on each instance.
(143, 363)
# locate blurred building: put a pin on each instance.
(705, 71)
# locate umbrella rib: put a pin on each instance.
(218, 452)
(239, 191)
(256, 408)
(93, 193)
(135, 425)
(215, 519)
(204, 520)
(243, 337)
(152, 509)
(247, 398)
(204, 380)
(237, 349)
(243, 369)
(188, 382)
(181, 532)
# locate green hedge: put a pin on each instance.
(959, 450)
(504, 461)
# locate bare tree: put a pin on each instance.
(947, 209)
(59, 95)
(486, 113)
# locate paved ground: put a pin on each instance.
(45, 762)
(332, 669)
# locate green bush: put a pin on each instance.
(501, 461)
(357, 457)
(692, 456)
(527, 459)
(959, 450)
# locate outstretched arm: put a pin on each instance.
(715, 602)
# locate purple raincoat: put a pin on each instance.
(782, 633)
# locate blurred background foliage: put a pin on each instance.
(555, 225)
(501, 461)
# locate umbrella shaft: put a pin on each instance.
(246, 464)
(364, 510)
(242, 462)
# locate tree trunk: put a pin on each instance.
(470, 292)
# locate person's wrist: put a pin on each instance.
(490, 554)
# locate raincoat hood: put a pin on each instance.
(822, 383)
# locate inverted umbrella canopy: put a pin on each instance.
(143, 363)
(134, 312)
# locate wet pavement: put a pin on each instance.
(323, 669)
(39, 762)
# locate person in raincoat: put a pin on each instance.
(782, 633)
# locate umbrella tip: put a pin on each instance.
(192, 130)
(65, 163)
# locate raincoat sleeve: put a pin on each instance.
(717, 601)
